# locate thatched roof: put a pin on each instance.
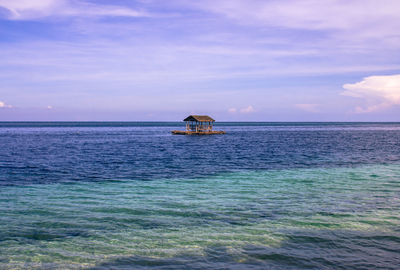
(199, 118)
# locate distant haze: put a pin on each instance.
(236, 60)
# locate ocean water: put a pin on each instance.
(263, 196)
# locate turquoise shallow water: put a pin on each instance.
(297, 218)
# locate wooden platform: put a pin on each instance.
(182, 132)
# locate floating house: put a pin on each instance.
(198, 125)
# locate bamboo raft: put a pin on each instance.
(185, 132)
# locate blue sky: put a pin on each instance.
(243, 60)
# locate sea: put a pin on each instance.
(130, 195)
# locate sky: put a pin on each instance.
(236, 60)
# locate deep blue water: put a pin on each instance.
(62, 152)
(265, 195)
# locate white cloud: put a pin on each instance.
(4, 105)
(379, 92)
(232, 110)
(348, 25)
(34, 9)
(308, 107)
(248, 109)
(306, 14)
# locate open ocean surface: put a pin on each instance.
(263, 196)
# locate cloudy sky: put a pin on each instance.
(244, 60)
